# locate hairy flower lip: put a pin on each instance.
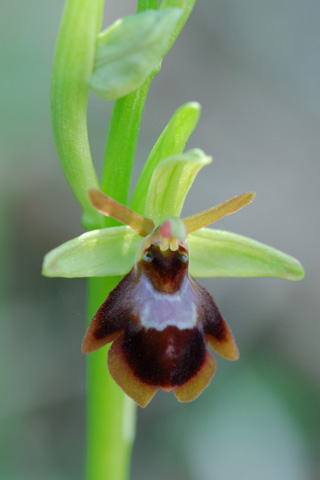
(161, 322)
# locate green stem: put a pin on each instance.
(126, 118)
(121, 144)
(110, 413)
(123, 135)
(147, 5)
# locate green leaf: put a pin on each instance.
(170, 183)
(186, 7)
(215, 253)
(99, 253)
(129, 50)
(72, 69)
(171, 141)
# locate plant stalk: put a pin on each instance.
(110, 413)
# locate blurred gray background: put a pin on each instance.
(254, 67)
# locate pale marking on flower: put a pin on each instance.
(160, 309)
(168, 243)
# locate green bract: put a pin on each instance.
(129, 50)
(186, 7)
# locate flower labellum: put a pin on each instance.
(159, 318)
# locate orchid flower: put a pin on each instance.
(159, 319)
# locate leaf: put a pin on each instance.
(99, 253)
(186, 7)
(72, 69)
(129, 50)
(170, 183)
(171, 141)
(215, 253)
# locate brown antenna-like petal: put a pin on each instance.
(202, 219)
(143, 226)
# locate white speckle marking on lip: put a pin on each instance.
(160, 309)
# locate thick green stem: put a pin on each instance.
(147, 5)
(121, 143)
(110, 413)
(123, 135)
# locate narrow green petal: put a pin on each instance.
(171, 142)
(170, 183)
(129, 50)
(99, 253)
(215, 253)
(111, 208)
(206, 217)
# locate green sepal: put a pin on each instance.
(170, 183)
(129, 50)
(171, 142)
(215, 253)
(99, 253)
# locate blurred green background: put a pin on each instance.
(254, 66)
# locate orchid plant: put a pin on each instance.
(159, 319)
